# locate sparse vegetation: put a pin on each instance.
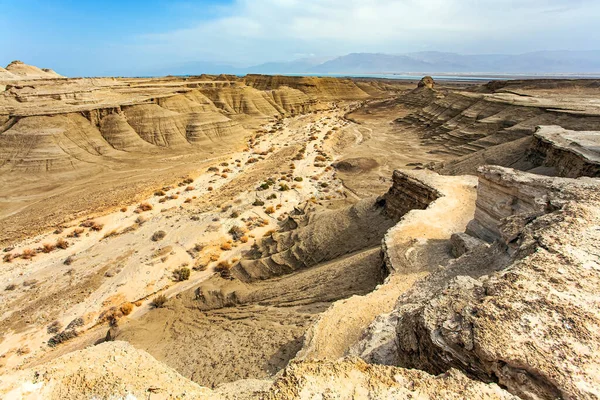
(182, 274)
(54, 327)
(298, 179)
(226, 246)
(158, 235)
(272, 196)
(258, 202)
(28, 254)
(236, 232)
(143, 207)
(224, 268)
(126, 308)
(10, 286)
(97, 226)
(159, 301)
(270, 210)
(283, 187)
(159, 193)
(48, 247)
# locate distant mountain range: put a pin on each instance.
(431, 62)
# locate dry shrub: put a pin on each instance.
(214, 257)
(223, 268)
(97, 226)
(173, 197)
(27, 254)
(126, 308)
(251, 160)
(158, 235)
(235, 214)
(244, 239)
(270, 210)
(54, 327)
(76, 232)
(69, 260)
(48, 247)
(269, 233)
(140, 220)
(188, 200)
(87, 224)
(258, 202)
(8, 257)
(182, 274)
(223, 175)
(213, 169)
(162, 200)
(236, 232)
(138, 303)
(143, 207)
(123, 209)
(159, 301)
(226, 246)
(110, 234)
(159, 193)
(11, 286)
(189, 188)
(210, 189)
(320, 158)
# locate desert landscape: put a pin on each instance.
(283, 237)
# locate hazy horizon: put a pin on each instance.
(114, 38)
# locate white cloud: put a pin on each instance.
(264, 30)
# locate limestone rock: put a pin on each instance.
(463, 243)
(109, 370)
(354, 379)
(427, 82)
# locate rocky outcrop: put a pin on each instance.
(108, 371)
(355, 379)
(568, 153)
(427, 82)
(407, 193)
(524, 312)
(20, 70)
(318, 237)
(474, 127)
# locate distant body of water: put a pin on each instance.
(450, 77)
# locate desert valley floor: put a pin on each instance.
(294, 237)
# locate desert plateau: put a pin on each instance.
(298, 237)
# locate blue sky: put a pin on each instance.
(134, 37)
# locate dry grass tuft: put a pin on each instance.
(159, 301)
(126, 308)
(226, 246)
(28, 254)
(143, 207)
(48, 247)
(270, 210)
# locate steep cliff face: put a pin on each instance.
(569, 154)
(407, 193)
(523, 312)
(480, 127)
(321, 88)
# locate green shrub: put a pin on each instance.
(182, 274)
